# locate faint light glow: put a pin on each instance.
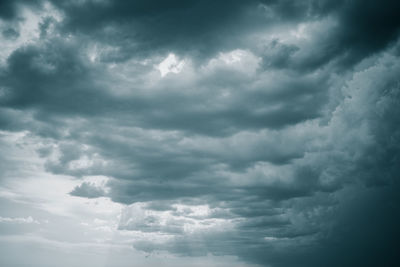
(81, 163)
(19, 220)
(270, 238)
(232, 57)
(93, 54)
(170, 64)
(300, 32)
(237, 60)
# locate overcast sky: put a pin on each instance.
(199, 133)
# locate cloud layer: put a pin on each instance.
(261, 130)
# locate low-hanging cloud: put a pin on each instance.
(275, 141)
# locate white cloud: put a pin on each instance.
(28, 219)
(171, 64)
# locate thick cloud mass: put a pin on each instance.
(267, 131)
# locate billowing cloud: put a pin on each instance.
(236, 133)
(88, 190)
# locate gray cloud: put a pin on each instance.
(88, 190)
(277, 142)
(9, 10)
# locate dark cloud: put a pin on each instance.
(349, 32)
(56, 78)
(58, 82)
(10, 33)
(88, 190)
(366, 27)
(276, 142)
(9, 9)
(143, 27)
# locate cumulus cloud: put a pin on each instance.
(263, 130)
(88, 190)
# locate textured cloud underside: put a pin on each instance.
(260, 133)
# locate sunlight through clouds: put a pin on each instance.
(199, 133)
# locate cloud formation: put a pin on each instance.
(263, 130)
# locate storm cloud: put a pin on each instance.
(200, 133)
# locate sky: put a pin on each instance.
(199, 133)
